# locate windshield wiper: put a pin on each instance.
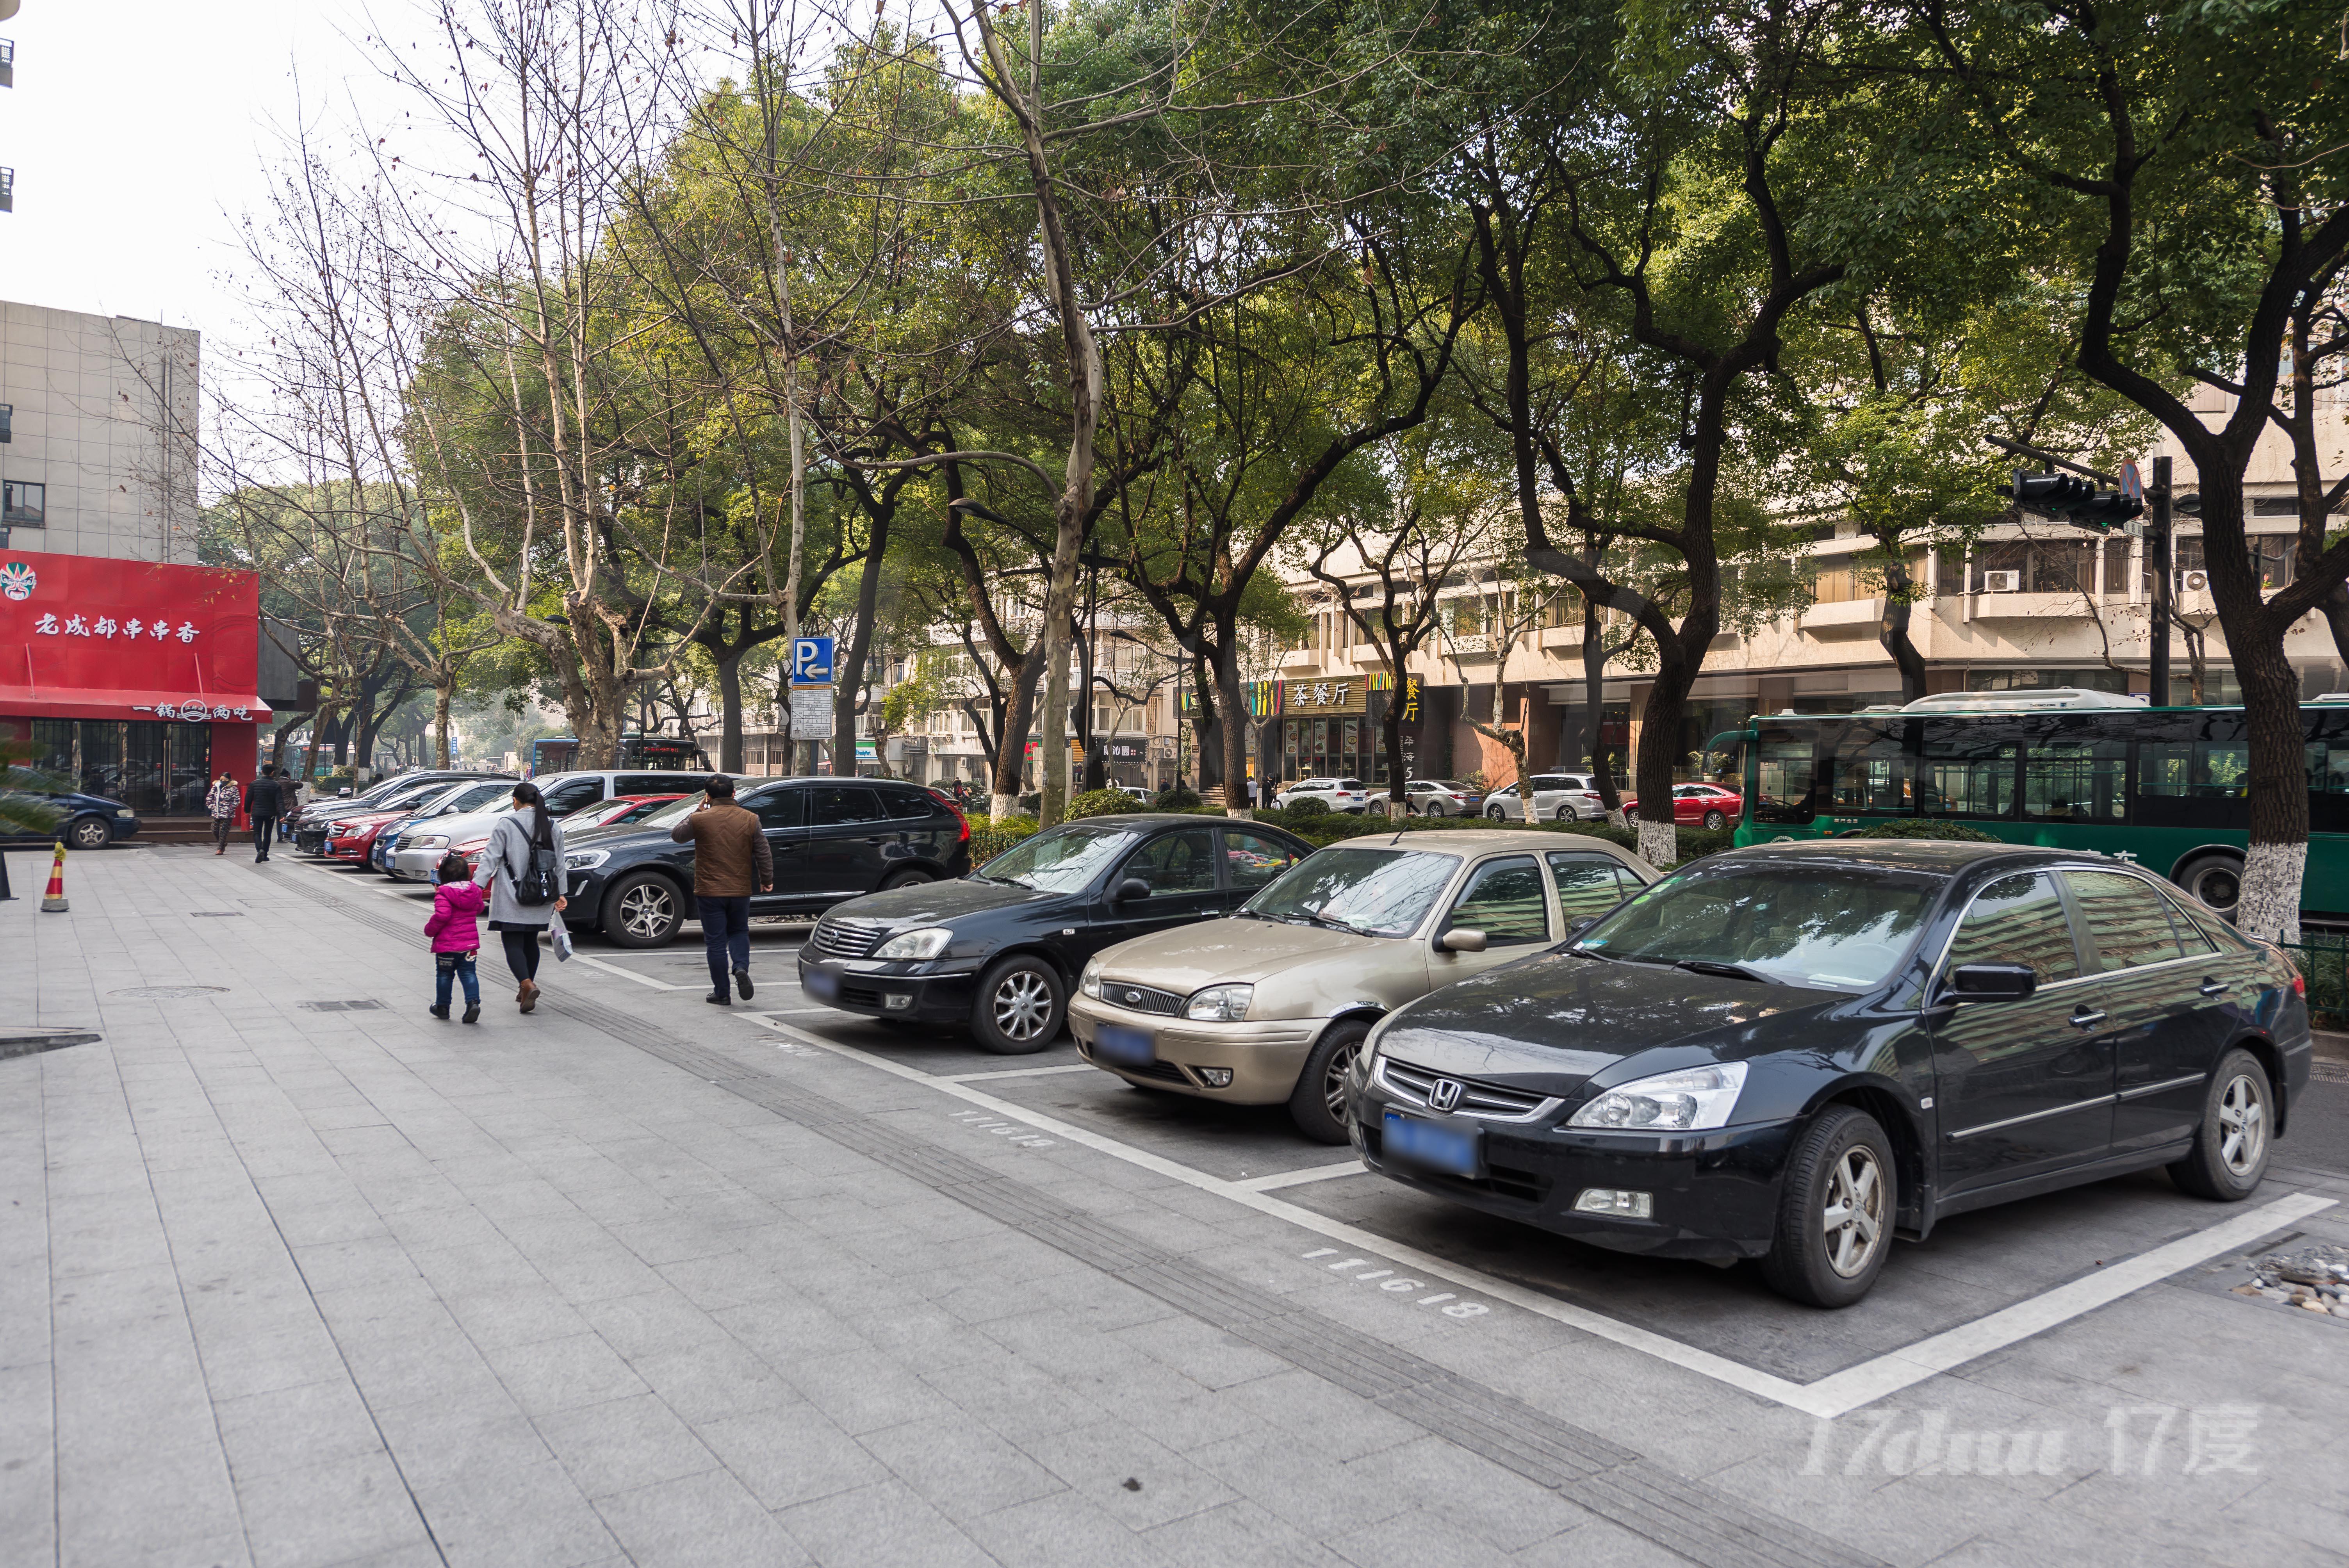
(1726, 971)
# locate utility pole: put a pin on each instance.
(2157, 555)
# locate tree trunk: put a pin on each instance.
(1391, 735)
(849, 674)
(1011, 745)
(444, 687)
(1206, 733)
(1235, 724)
(1893, 632)
(1594, 711)
(2334, 607)
(1660, 733)
(729, 662)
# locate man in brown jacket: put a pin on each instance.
(730, 861)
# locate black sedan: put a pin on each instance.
(1000, 950)
(833, 839)
(83, 821)
(1796, 1052)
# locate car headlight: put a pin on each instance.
(437, 841)
(1090, 981)
(1689, 1100)
(1220, 1004)
(585, 860)
(125, 812)
(926, 943)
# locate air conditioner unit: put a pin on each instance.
(2194, 582)
(2002, 583)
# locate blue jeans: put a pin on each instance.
(447, 968)
(725, 934)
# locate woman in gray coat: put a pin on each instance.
(504, 862)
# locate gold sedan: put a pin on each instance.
(1270, 1005)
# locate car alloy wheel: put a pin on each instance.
(2231, 1148)
(1318, 1104)
(1837, 1205)
(643, 912)
(1020, 1006)
(1853, 1220)
(90, 834)
(1496, 814)
(1566, 813)
(1715, 820)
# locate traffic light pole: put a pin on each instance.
(2156, 554)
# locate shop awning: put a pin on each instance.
(102, 702)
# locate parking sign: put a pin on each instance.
(811, 661)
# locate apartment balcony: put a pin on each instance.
(2072, 606)
(1844, 620)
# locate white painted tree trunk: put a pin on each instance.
(1660, 843)
(1000, 806)
(2270, 895)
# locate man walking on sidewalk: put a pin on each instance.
(264, 803)
(222, 803)
(730, 861)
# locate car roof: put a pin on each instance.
(1492, 841)
(1908, 854)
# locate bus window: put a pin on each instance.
(2194, 770)
(1875, 771)
(1968, 768)
(1785, 766)
(2076, 781)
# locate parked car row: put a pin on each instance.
(1794, 1053)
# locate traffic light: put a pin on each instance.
(2053, 494)
(2103, 513)
(2074, 500)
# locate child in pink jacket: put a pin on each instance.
(457, 904)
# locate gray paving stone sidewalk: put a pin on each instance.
(622, 1281)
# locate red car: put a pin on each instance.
(352, 838)
(1699, 806)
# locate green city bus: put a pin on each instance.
(2065, 769)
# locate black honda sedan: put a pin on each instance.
(1796, 1052)
(834, 840)
(999, 950)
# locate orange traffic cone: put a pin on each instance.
(54, 900)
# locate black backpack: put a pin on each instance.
(541, 881)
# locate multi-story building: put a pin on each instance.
(2031, 604)
(123, 662)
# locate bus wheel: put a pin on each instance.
(2216, 880)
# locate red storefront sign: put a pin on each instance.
(85, 638)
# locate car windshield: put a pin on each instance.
(1795, 923)
(1060, 859)
(1375, 892)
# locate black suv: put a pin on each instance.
(834, 840)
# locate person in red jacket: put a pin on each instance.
(457, 905)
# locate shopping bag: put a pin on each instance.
(560, 935)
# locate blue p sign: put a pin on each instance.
(811, 661)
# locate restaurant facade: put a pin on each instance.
(136, 679)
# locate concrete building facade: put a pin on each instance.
(101, 457)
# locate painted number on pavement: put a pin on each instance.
(1394, 1283)
(986, 1121)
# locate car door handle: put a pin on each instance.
(2217, 987)
(2087, 1017)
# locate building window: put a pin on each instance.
(1835, 582)
(2273, 557)
(2041, 565)
(2276, 506)
(23, 505)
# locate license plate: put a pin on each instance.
(820, 984)
(1437, 1145)
(1127, 1047)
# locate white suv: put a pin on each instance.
(1338, 794)
(1557, 797)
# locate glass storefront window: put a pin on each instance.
(153, 768)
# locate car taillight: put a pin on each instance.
(2299, 984)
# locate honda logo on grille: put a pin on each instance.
(1444, 1094)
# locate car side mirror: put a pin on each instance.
(1580, 923)
(1993, 982)
(1131, 889)
(1462, 939)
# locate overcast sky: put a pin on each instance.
(137, 128)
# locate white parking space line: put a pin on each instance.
(1299, 1178)
(1836, 1395)
(1870, 1380)
(577, 957)
(1017, 1072)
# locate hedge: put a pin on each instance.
(1104, 803)
(1927, 828)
